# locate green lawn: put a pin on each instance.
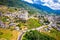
(33, 23)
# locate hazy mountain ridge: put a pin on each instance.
(20, 4)
(39, 5)
(34, 8)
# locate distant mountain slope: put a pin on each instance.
(39, 5)
(32, 8)
(45, 8)
(13, 3)
(21, 4)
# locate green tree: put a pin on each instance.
(35, 35)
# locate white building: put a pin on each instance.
(23, 15)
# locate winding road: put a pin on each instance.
(22, 32)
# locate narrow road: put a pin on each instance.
(22, 32)
(20, 36)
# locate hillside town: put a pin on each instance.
(22, 21)
(23, 15)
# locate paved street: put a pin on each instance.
(22, 32)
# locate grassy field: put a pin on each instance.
(7, 34)
(33, 23)
(53, 33)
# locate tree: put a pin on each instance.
(35, 35)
